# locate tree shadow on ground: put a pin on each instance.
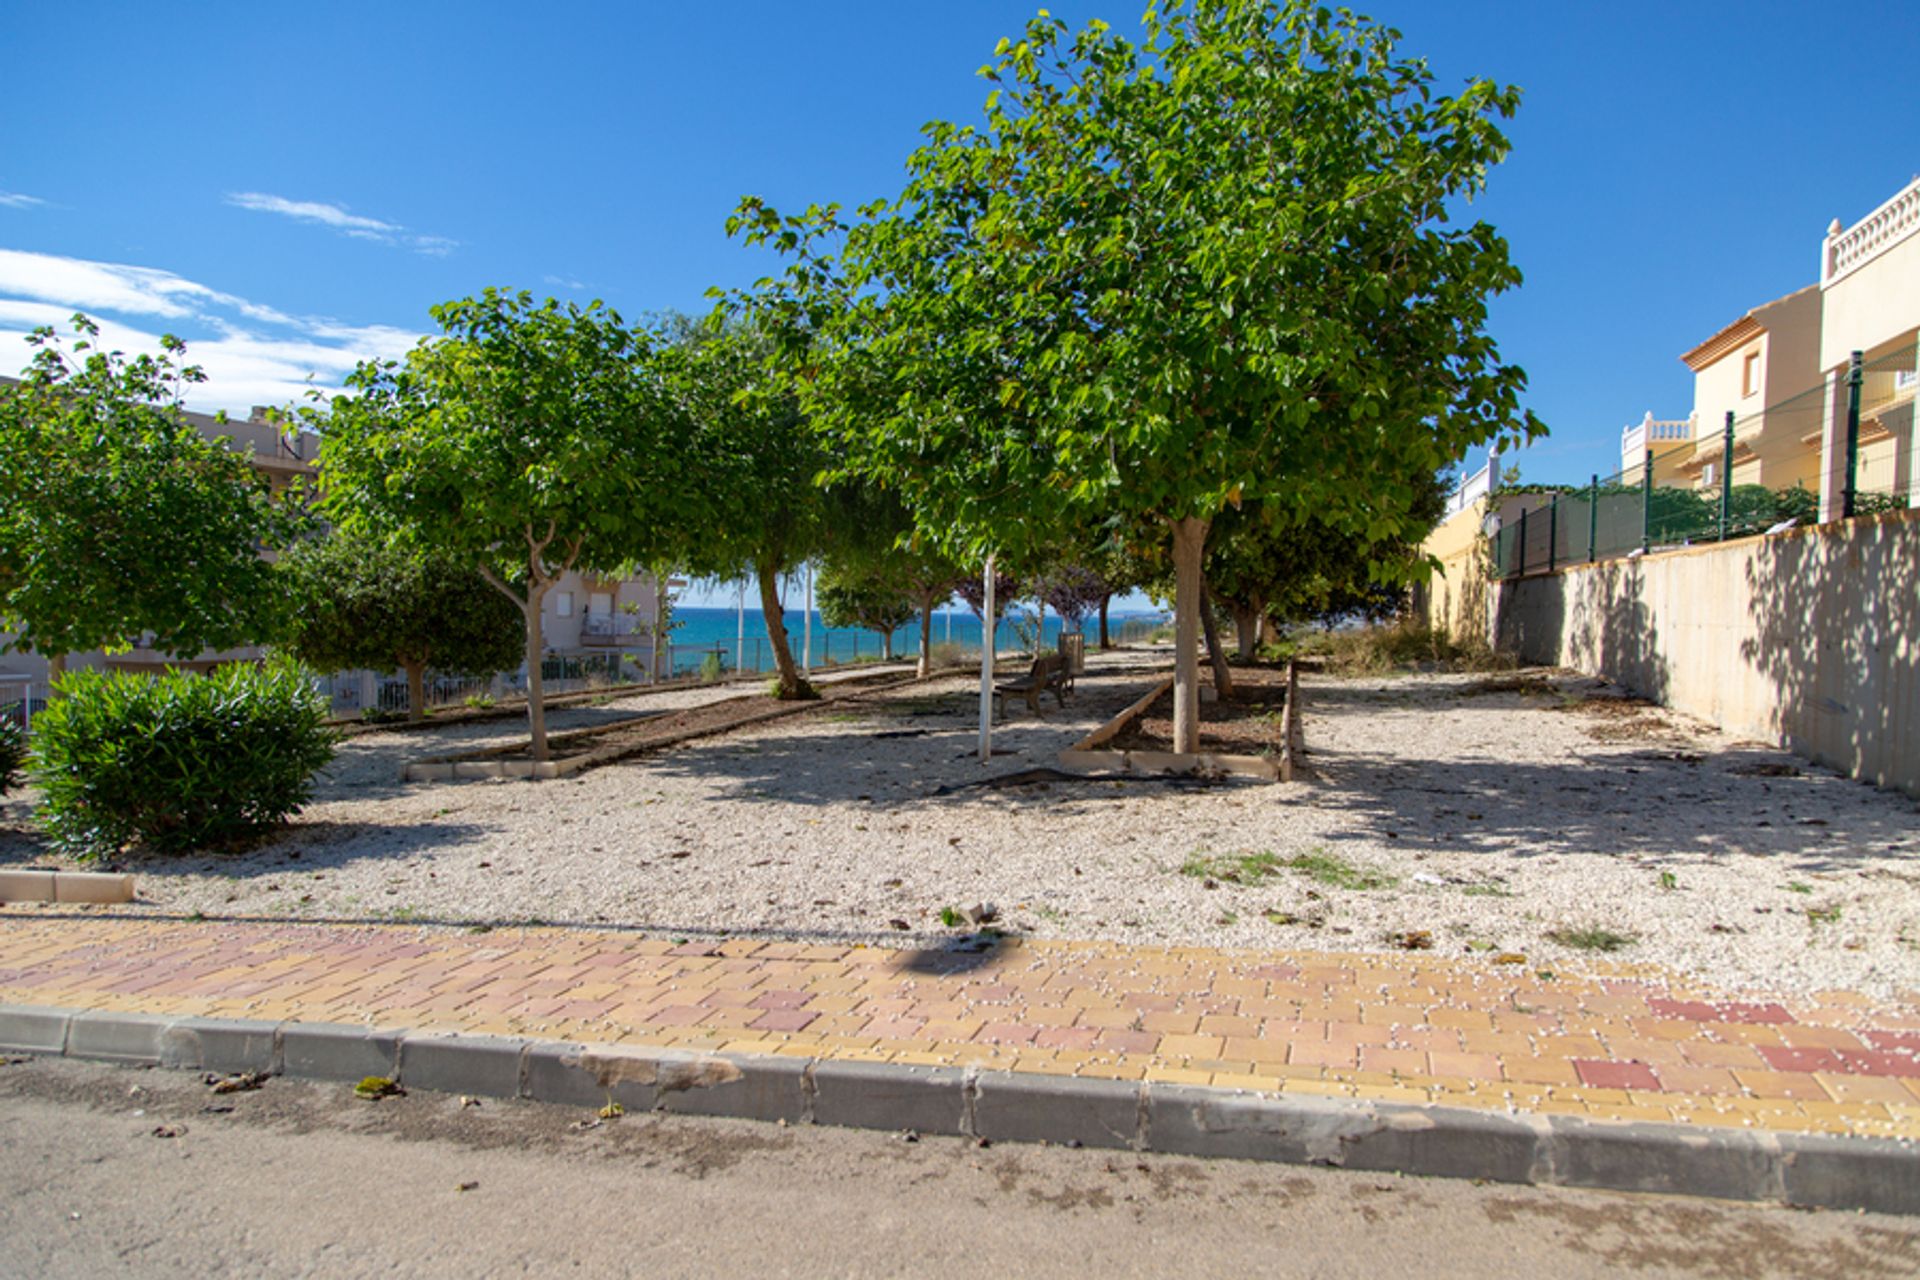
(1657, 802)
(294, 851)
(962, 952)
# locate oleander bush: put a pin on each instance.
(13, 754)
(177, 763)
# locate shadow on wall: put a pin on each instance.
(1833, 618)
(1595, 619)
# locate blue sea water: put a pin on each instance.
(701, 631)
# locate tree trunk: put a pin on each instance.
(536, 699)
(1246, 631)
(56, 668)
(416, 690)
(1222, 674)
(792, 683)
(886, 646)
(1104, 642)
(925, 667)
(1189, 544)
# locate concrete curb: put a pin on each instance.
(65, 886)
(1811, 1170)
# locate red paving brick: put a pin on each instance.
(1617, 1075)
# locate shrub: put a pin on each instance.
(1373, 651)
(712, 669)
(177, 762)
(947, 654)
(13, 754)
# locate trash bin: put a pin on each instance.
(1073, 648)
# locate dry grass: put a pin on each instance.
(1376, 651)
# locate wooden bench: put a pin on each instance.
(1050, 673)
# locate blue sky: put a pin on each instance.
(289, 188)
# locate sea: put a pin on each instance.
(702, 631)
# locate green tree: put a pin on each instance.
(1260, 566)
(360, 601)
(1212, 268)
(118, 518)
(758, 459)
(867, 598)
(529, 440)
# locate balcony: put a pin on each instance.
(1848, 249)
(615, 631)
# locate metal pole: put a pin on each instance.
(740, 610)
(1726, 475)
(1593, 516)
(986, 668)
(1521, 542)
(1646, 504)
(1553, 533)
(1855, 375)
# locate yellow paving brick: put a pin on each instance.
(1178, 1075)
(1192, 1046)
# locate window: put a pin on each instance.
(1904, 379)
(563, 604)
(1750, 373)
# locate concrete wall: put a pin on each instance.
(1454, 599)
(1808, 639)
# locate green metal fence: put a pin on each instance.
(1745, 475)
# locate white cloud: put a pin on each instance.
(563, 282)
(228, 336)
(15, 200)
(355, 225)
(330, 215)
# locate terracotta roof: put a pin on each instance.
(1741, 331)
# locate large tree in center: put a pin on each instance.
(1215, 267)
(529, 440)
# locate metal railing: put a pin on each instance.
(1852, 440)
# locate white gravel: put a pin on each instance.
(1499, 815)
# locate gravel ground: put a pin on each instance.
(1486, 815)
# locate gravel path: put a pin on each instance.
(1484, 815)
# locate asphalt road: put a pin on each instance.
(303, 1179)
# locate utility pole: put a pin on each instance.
(986, 669)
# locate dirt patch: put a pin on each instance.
(1529, 686)
(1626, 718)
(1246, 724)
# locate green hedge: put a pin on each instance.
(177, 762)
(13, 754)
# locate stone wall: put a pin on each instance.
(1808, 639)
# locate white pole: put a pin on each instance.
(740, 648)
(950, 603)
(806, 627)
(986, 670)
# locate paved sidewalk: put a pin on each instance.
(1617, 1044)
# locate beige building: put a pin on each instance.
(1670, 440)
(1754, 369)
(1870, 298)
